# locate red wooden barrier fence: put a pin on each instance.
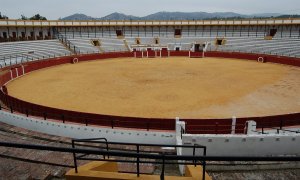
(195, 126)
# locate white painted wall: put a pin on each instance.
(80, 131)
(179, 125)
(217, 145)
(245, 145)
(250, 144)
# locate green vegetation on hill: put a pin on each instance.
(35, 17)
(289, 16)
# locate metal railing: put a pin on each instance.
(138, 150)
(215, 128)
(268, 130)
(164, 158)
(14, 59)
(261, 52)
(67, 43)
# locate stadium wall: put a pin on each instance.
(78, 131)
(217, 145)
(245, 145)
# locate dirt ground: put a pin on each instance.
(165, 87)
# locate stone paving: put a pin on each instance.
(11, 167)
(257, 175)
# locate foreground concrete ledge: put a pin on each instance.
(109, 170)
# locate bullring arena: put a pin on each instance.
(185, 92)
(165, 87)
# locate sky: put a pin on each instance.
(54, 9)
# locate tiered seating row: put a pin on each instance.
(85, 46)
(276, 46)
(16, 52)
(117, 45)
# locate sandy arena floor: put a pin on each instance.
(168, 87)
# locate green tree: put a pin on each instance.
(37, 17)
(23, 17)
(3, 16)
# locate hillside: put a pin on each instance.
(171, 16)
